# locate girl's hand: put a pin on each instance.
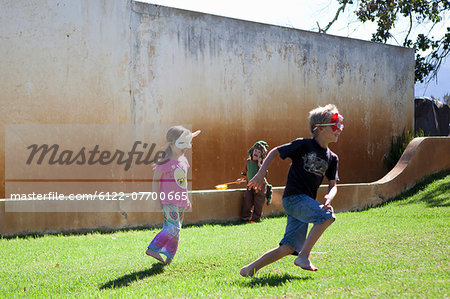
(256, 182)
(189, 205)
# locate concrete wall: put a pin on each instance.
(128, 62)
(241, 82)
(63, 62)
(217, 206)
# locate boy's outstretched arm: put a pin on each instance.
(258, 180)
(332, 190)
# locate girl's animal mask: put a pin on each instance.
(185, 140)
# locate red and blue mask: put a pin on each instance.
(337, 123)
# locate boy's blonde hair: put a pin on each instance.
(321, 115)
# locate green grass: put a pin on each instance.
(400, 249)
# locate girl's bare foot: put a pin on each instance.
(247, 271)
(304, 263)
(168, 261)
(154, 254)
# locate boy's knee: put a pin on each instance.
(328, 221)
(286, 250)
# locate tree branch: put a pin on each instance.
(409, 30)
(334, 19)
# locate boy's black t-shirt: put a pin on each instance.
(310, 163)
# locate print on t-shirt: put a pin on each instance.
(180, 178)
(314, 164)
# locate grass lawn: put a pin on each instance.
(400, 249)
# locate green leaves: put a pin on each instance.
(427, 13)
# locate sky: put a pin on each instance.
(309, 15)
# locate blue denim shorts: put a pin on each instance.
(301, 210)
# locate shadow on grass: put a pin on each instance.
(128, 279)
(434, 196)
(273, 280)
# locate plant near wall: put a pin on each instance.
(398, 146)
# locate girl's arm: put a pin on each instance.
(156, 179)
(332, 190)
(258, 180)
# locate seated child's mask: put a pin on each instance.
(185, 140)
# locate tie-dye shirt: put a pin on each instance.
(173, 183)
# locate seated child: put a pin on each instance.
(255, 198)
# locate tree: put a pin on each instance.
(429, 51)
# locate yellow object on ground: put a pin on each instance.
(222, 187)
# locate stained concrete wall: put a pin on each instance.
(63, 62)
(134, 63)
(241, 82)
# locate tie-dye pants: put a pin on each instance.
(166, 241)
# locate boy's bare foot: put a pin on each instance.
(247, 271)
(168, 261)
(304, 263)
(154, 254)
